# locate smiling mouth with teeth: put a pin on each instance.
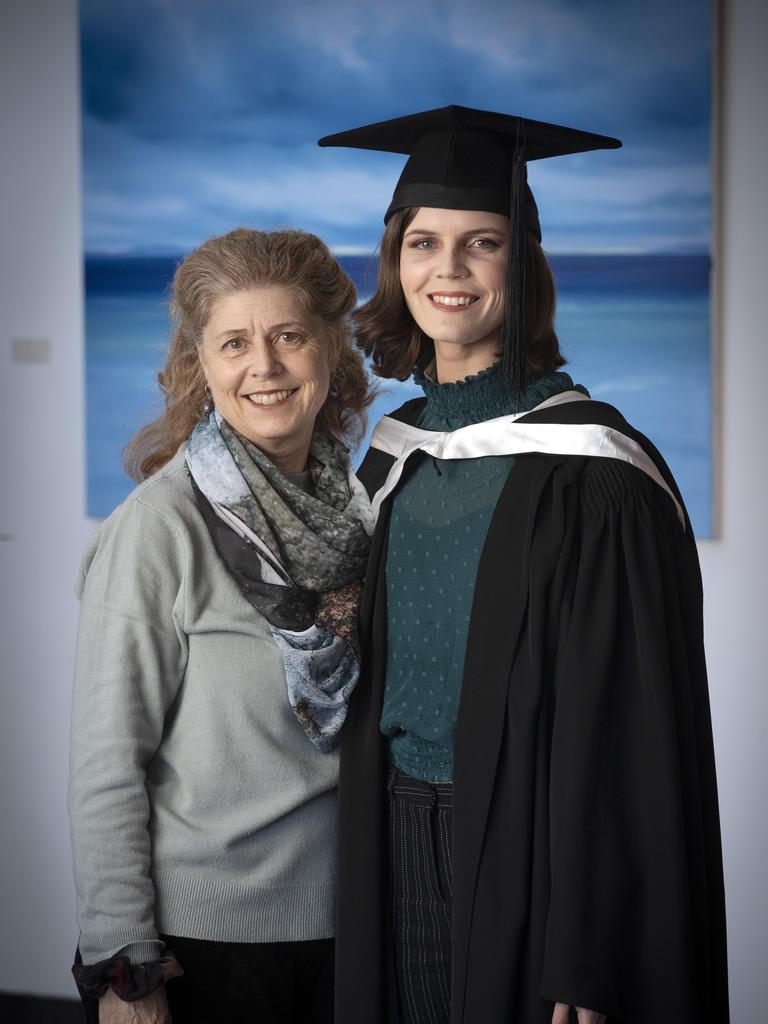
(269, 397)
(453, 300)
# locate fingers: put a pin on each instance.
(589, 1016)
(151, 1009)
(560, 1015)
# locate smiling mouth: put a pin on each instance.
(263, 398)
(452, 300)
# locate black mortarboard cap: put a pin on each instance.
(465, 159)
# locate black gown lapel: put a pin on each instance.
(498, 612)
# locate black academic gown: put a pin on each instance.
(587, 855)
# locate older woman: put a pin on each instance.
(216, 653)
(528, 812)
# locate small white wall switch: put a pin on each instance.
(31, 350)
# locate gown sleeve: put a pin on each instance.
(635, 927)
(131, 654)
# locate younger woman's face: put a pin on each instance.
(453, 274)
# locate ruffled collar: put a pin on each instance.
(482, 396)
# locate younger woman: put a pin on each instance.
(528, 812)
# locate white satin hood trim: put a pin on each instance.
(505, 436)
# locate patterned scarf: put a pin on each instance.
(297, 558)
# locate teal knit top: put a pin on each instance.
(440, 516)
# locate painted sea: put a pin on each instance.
(635, 331)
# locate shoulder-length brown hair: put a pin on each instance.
(386, 331)
(241, 259)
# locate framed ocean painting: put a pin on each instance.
(202, 116)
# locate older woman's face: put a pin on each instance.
(266, 359)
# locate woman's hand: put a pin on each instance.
(150, 1009)
(560, 1016)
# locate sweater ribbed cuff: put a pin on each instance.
(139, 942)
(143, 952)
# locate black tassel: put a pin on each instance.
(514, 333)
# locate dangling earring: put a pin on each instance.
(207, 401)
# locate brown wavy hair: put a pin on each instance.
(245, 258)
(386, 331)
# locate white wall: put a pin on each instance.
(41, 486)
(43, 523)
(735, 568)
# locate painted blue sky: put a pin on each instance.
(199, 115)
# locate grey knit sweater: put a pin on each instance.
(198, 806)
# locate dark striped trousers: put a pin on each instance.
(421, 880)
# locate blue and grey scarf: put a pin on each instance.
(298, 559)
